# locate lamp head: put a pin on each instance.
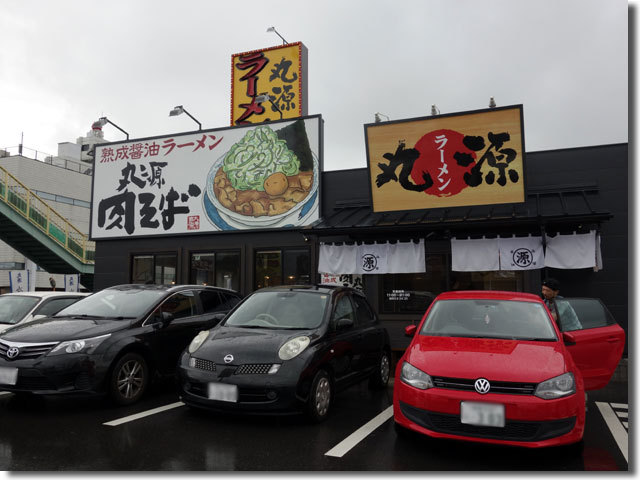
(178, 110)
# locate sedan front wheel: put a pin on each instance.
(129, 379)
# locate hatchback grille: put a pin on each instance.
(512, 388)
(205, 365)
(254, 368)
(521, 431)
(25, 350)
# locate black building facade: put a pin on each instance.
(568, 190)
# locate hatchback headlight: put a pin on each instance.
(293, 348)
(415, 377)
(84, 345)
(198, 340)
(556, 387)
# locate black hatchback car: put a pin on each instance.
(113, 341)
(286, 349)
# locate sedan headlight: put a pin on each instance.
(415, 377)
(293, 348)
(556, 387)
(84, 345)
(198, 340)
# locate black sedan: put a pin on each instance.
(111, 342)
(286, 349)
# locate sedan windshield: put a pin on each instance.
(286, 310)
(13, 308)
(489, 319)
(114, 303)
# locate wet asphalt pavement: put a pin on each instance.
(90, 434)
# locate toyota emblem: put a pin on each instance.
(482, 386)
(228, 358)
(13, 352)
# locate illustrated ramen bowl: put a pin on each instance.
(291, 200)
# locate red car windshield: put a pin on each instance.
(506, 319)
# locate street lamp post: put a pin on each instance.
(102, 121)
(178, 110)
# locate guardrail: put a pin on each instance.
(15, 194)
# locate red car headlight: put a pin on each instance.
(557, 387)
(415, 377)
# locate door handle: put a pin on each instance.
(613, 340)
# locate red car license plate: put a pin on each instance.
(482, 414)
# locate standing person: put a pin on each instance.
(561, 311)
(52, 282)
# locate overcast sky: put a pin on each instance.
(64, 64)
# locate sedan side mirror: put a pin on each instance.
(410, 330)
(163, 319)
(568, 338)
(216, 318)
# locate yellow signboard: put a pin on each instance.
(471, 158)
(269, 84)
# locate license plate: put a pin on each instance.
(483, 414)
(8, 376)
(223, 392)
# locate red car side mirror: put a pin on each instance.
(568, 338)
(410, 330)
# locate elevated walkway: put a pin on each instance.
(30, 226)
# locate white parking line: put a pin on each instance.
(131, 418)
(617, 430)
(619, 405)
(356, 437)
(4, 394)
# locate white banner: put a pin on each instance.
(475, 255)
(72, 283)
(372, 258)
(521, 253)
(406, 257)
(571, 251)
(376, 258)
(32, 268)
(18, 280)
(337, 259)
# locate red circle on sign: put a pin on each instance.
(436, 157)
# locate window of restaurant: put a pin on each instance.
(154, 269)
(290, 266)
(220, 269)
(412, 293)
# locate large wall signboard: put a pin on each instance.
(471, 158)
(238, 178)
(280, 73)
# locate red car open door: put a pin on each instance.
(597, 346)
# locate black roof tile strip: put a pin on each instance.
(563, 204)
(365, 215)
(466, 215)
(352, 213)
(380, 219)
(586, 200)
(402, 217)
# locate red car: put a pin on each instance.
(494, 367)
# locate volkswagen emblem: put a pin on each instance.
(482, 386)
(13, 352)
(228, 358)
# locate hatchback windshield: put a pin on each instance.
(489, 319)
(288, 310)
(13, 308)
(114, 304)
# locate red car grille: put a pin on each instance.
(511, 388)
(519, 431)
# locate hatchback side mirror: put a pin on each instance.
(162, 319)
(344, 323)
(410, 330)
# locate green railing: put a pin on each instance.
(40, 214)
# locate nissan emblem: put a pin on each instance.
(228, 358)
